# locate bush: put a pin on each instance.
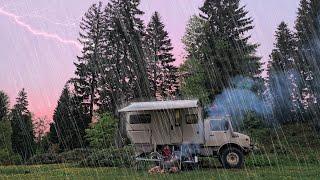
(75, 155)
(120, 157)
(47, 158)
(255, 127)
(102, 134)
(9, 158)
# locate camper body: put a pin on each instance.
(152, 125)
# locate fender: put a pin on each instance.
(226, 145)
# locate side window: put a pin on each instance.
(219, 125)
(192, 119)
(140, 119)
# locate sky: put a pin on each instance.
(38, 40)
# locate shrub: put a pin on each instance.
(47, 158)
(255, 127)
(120, 157)
(9, 158)
(102, 134)
(75, 155)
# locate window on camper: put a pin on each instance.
(140, 119)
(219, 125)
(192, 119)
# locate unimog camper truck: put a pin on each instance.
(152, 125)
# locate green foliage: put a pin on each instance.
(43, 145)
(22, 128)
(73, 156)
(5, 135)
(102, 134)
(7, 157)
(4, 105)
(307, 34)
(194, 84)
(47, 158)
(118, 157)
(124, 70)
(255, 127)
(161, 72)
(87, 69)
(69, 122)
(218, 42)
(284, 79)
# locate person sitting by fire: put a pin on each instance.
(166, 152)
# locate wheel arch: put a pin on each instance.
(228, 145)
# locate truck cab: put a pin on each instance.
(229, 146)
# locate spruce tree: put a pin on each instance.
(117, 79)
(69, 122)
(131, 29)
(162, 74)
(283, 77)
(4, 105)
(88, 66)
(224, 49)
(308, 33)
(5, 128)
(124, 63)
(22, 128)
(194, 83)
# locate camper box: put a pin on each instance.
(164, 122)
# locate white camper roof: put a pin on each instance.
(160, 105)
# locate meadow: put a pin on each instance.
(65, 171)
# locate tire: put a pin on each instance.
(156, 155)
(232, 157)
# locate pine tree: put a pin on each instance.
(69, 122)
(124, 64)
(283, 77)
(22, 129)
(88, 66)
(4, 105)
(285, 49)
(162, 74)
(117, 81)
(223, 48)
(231, 54)
(131, 29)
(5, 128)
(194, 82)
(308, 33)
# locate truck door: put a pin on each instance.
(160, 128)
(175, 126)
(217, 132)
(138, 128)
(193, 127)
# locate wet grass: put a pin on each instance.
(293, 153)
(288, 170)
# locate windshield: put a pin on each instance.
(219, 125)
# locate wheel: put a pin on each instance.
(232, 158)
(156, 156)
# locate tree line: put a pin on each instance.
(124, 60)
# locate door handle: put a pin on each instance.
(211, 135)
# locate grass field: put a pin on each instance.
(63, 171)
(293, 154)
